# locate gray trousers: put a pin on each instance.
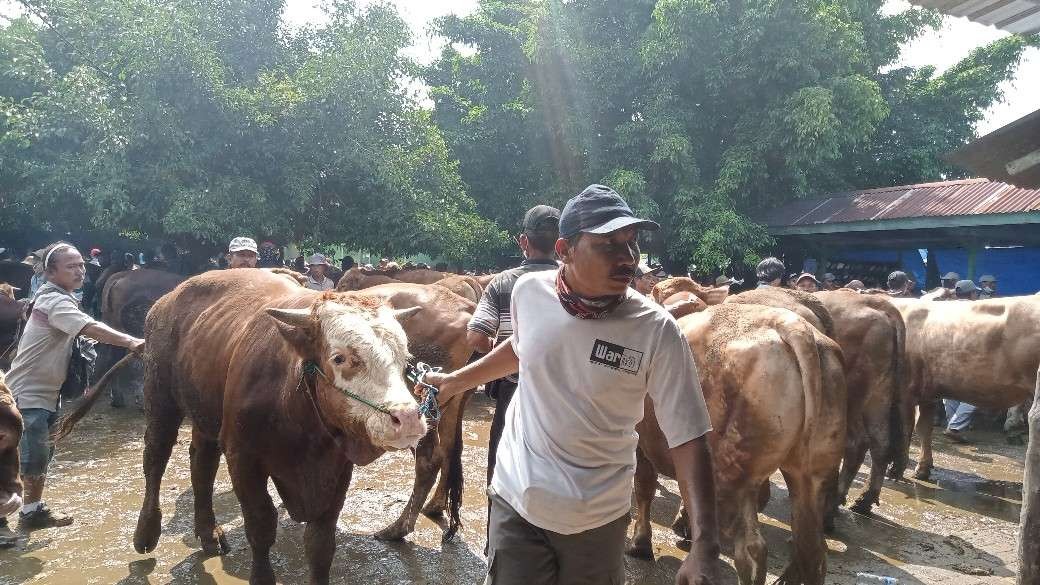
(520, 553)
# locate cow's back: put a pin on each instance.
(982, 352)
(193, 332)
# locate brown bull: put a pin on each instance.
(10, 434)
(872, 337)
(670, 287)
(420, 275)
(776, 395)
(292, 385)
(436, 336)
(356, 279)
(463, 285)
(980, 352)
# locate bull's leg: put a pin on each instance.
(164, 420)
(879, 437)
(749, 548)
(427, 463)
(205, 460)
(681, 524)
(450, 434)
(855, 452)
(645, 486)
(258, 511)
(808, 565)
(925, 414)
(319, 537)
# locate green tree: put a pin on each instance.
(702, 113)
(197, 121)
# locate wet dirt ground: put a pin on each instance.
(959, 530)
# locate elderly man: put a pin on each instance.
(317, 266)
(39, 369)
(769, 272)
(242, 253)
(959, 414)
(492, 322)
(589, 350)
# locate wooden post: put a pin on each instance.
(1029, 535)
(973, 255)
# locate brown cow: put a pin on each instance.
(10, 434)
(293, 385)
(124, 303)
(463, 285)
(980, 352)
(356, 279)
(420, 275)
(872, 337)
(671, 286)
(775, 392)
(437, 336)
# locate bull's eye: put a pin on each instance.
(338, 360)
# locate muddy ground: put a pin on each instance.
(960, 530)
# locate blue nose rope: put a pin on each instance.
(428, 407)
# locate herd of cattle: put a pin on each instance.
(297, 386)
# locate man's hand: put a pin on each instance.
(701, 567)
(446, 383)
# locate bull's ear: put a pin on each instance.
(403, 314)
(295, 317)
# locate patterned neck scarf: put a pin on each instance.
(581, 307)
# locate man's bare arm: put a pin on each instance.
(105, 334)
(696, 477)
(501, 362)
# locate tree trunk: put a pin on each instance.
(1029, 537)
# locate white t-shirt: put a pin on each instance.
(567, 455)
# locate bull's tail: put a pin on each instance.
(901, 421)
(68, 420)
(454, 483)
(802, 341)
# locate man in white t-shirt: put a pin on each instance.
(589, 350)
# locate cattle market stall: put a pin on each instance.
(968, 226)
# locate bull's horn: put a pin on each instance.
(294, 317)
(402, 314)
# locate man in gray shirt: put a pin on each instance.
(39, 370)
(492, 322)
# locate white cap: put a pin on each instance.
(240, 243)
(317, 259)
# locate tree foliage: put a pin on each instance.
(199, 120)
(702, 113)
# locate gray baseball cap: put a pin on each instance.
(952, 276)
(987, 278)
(242, 243)
(965, 287)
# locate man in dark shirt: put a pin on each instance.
(492, 321)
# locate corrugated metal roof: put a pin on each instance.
(946, 199)
(1017, 16)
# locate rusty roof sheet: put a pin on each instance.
(1017, 16)
(945, 199)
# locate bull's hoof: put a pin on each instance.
(923, 474)
(863, 506)
(215, 544)
(896, 474)
(146, 535)
(393, 532)
(640, 551)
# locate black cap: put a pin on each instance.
(599, 210)
(541, 218)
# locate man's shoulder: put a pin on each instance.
(536, 278)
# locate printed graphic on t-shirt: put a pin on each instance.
(615, 356)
